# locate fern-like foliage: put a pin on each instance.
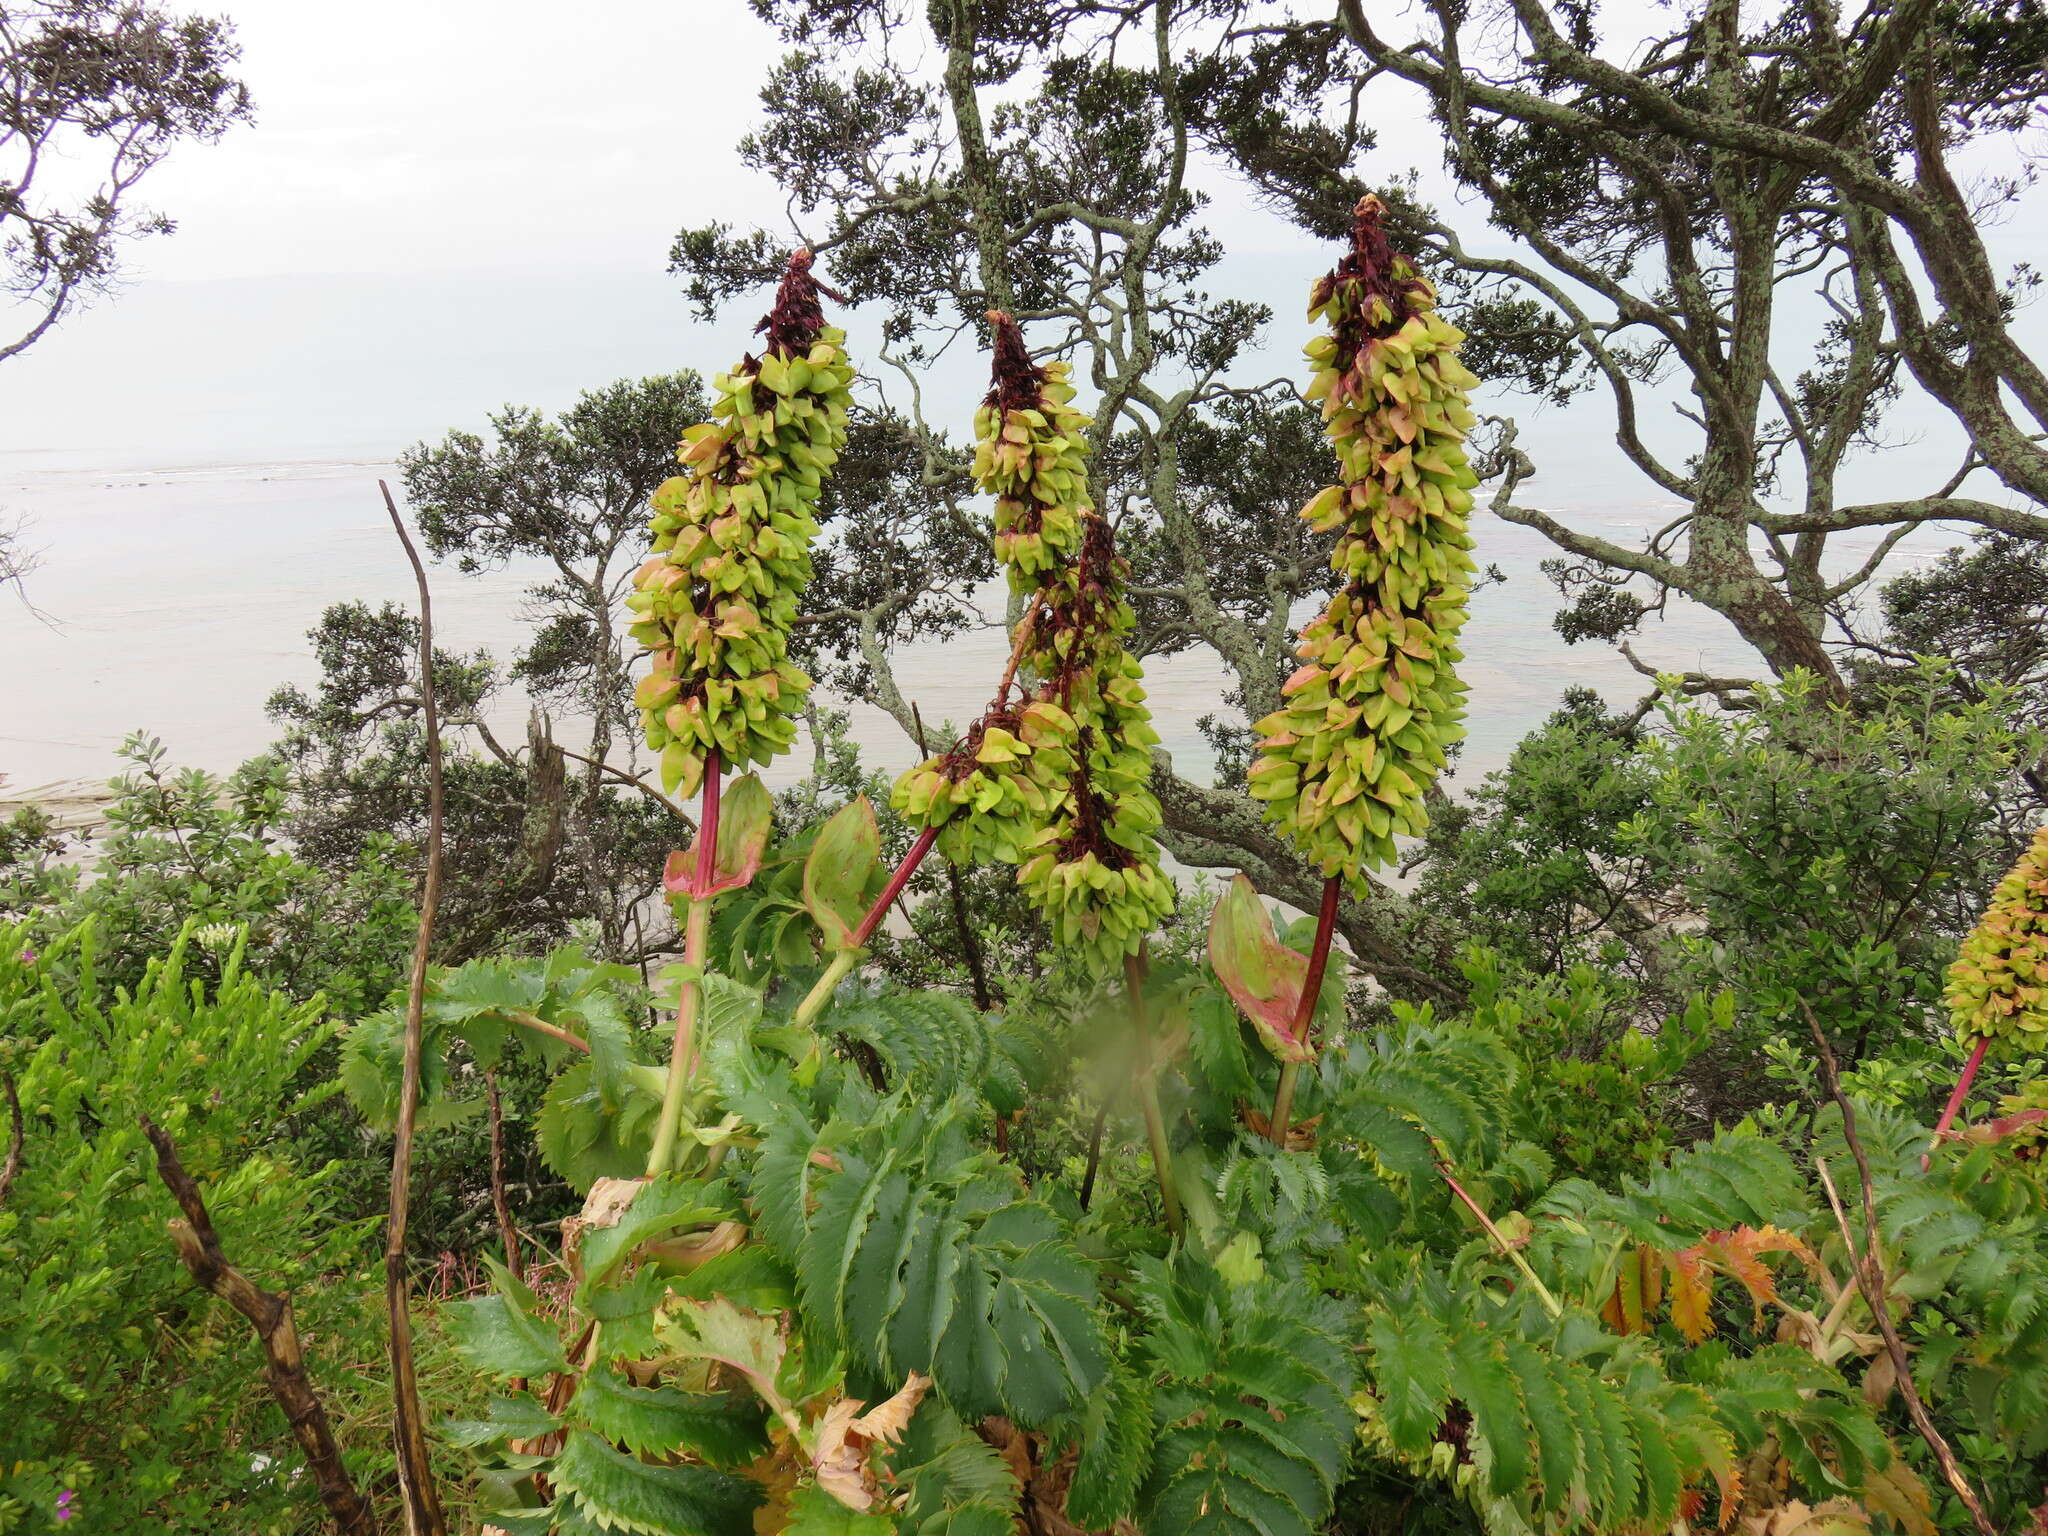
(1247, 1386)
(1546, 1423)
(940, 1046)
(1974, 1227)
(485, 1007)
(914, 1253)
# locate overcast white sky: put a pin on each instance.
(402, 136)
(447, 205)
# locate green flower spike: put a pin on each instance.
(732, 547)
(1998, 986)
(1345, 763)
(1059, 782)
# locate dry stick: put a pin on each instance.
(1869, 1271)
(15, 1138)
(682, 1049)
(1955, 1100)
(619, 775)
(1304, 1012)
(507, 1233)
(423, 1515)
(1148, 1092)
(270, 1314)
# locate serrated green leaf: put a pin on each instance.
(625, 1493)
(658, 1421)
(583, 1139)
(1114, 1448)
(511, 1418)
(814, 1512)
(661, 1205)
(749, 1275)
(1500, 1429)
(1558, 1462)
(496, 1338)
(1412, 1371)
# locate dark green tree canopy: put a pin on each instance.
(112, 85)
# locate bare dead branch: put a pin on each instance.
(15, 1138)
(423, 1516)
(270, 1314)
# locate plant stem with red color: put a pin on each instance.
(690, 992)
(1507, 1249)
(1955, 1100)
(1304, 1012)
(822, 989)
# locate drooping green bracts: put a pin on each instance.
(1058, 782)
(1345, 762)
(1998, 985)
(732, 538)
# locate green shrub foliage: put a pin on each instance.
(123, 1382)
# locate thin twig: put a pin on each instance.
(15, 1138)
(645, 788)
(507, 1233)
(270, 1314)
(1869, 1271)
(422, 1500)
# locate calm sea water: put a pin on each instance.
(198, 463)
(173, 600)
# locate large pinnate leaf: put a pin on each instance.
(1114, 1445)
(1412, 1375)
(657, 1422)
(945, 1274)
(1262, 975)
(623, 1493)
(1253, 1424)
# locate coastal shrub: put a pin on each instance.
(125, 1387)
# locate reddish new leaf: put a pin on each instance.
(745, 818)
(1263, 976)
